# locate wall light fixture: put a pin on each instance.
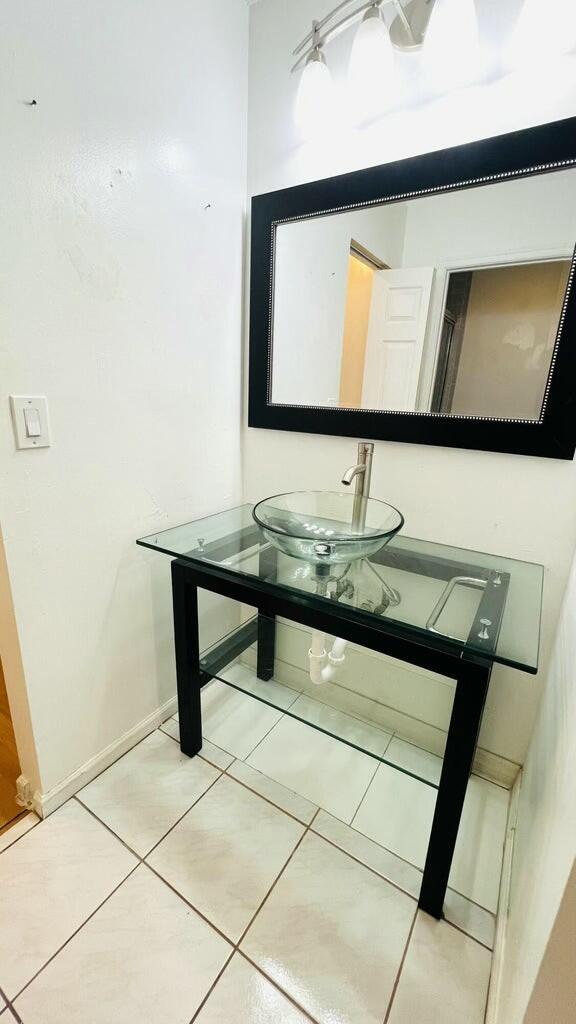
(446, 31)
(371, 70)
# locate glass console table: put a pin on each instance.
(452, 611)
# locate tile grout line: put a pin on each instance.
(351, 744)
(140, 861)
(281, 711)
(362, 864)
(107, 827)
(409, 863)
(18, 838)
(226, 771)
(308, 826)
(467, 935)
(212, 987)
(345, 714)
(75, 932)
(255, 915)
(261, 740)
(394, 734)
(277, 879)
(277, 986)
(202, 756)
(402, 962)
(157, 728)
(348, 714)
(192, 906)
(235, 946)
(142, 857)
(364, 795)
(182, 816)
(271, 802)
(398, 887)
(11, 1014)
(379, 845)
(14, 1012)
(8, 1004)
(473, 902)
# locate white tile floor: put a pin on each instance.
(271, 879)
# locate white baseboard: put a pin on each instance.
(493, 1010)
(45, 803)
(496, 768)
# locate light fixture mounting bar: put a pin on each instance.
(406, 31)
(319, 25)
(320, 38)
(402, 15)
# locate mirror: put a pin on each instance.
(427, 301)
(447, 303)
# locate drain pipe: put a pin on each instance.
(323, 664)
(320, 670)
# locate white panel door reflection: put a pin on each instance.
(396, 335)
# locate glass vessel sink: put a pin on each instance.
(326, 527)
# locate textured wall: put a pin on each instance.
(123, 196)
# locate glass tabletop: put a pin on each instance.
(470, 601)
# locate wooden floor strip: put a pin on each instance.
(9, 763)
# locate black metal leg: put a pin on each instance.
(188, 671)
(470, 697)
(268, 567)
(266, 646)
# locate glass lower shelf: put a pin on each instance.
(358, 757)
(335, 708)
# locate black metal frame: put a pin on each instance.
(272, 599)
(533, 151)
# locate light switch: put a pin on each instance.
(30, 421)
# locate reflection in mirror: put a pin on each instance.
(447, 303)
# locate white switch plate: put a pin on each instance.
(32, 404)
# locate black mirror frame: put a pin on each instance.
(532, 151)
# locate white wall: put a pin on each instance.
(545, 843)
(123, 196)
(520, 507)
(312, 259)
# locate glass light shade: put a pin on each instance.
(542, 31)
(315, 103)
(451, 56)
(371, 70)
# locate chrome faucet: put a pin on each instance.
(362, 473)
